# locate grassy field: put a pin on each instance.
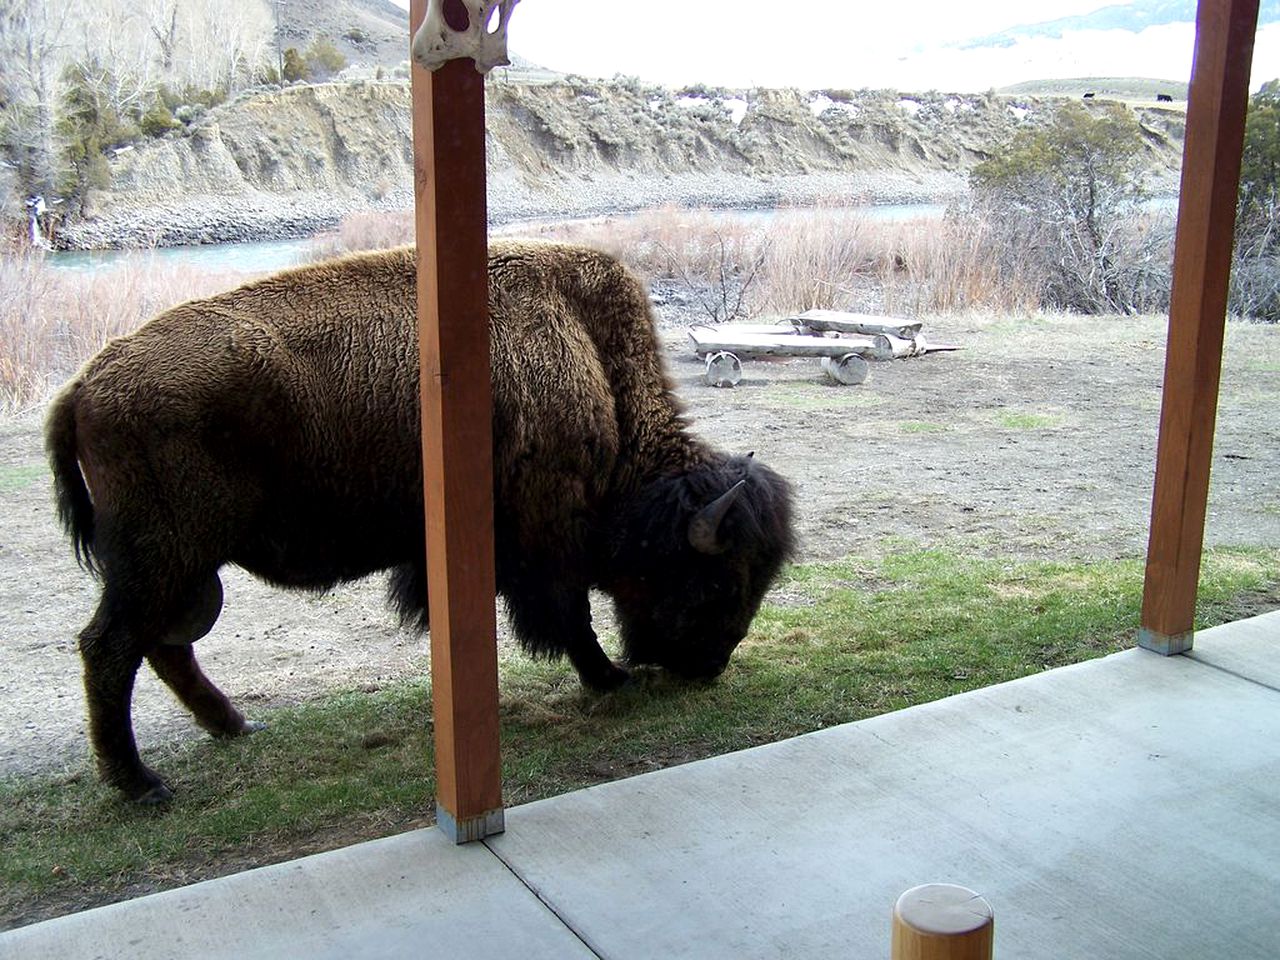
(1141, 89)
(838, 641)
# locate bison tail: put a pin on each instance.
(75, 508)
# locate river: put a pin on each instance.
(268, 256)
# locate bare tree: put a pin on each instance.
(113, 49)
(224, 44)
(161, 17)
(1070, 203)
(1255, 265)
(721, 275)
(33, 46)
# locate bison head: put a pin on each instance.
(692, 558)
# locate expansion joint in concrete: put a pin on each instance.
(546, 903)
(1233, 673)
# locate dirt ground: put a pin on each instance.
(1037, 439)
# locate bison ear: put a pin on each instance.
(705, 526)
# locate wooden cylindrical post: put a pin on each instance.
(941, 921)
(848, 369)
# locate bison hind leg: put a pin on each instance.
(174, 660)
(111, 654)
(177, 667)
(407, 594)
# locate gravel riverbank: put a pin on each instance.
(255, 216)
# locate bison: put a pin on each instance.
(276, 427)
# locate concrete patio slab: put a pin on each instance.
(1249, 648)
(1128, 807)
(1124, 808)
(414, 895)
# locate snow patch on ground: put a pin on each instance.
(821, 103)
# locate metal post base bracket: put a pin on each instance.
(1163, 643)
(472, 828)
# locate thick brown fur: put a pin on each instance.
(276, 426)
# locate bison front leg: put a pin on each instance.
(551, 620)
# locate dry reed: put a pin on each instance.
(365, 231)
(52, 318)
(830, 258)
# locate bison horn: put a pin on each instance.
(704, 528)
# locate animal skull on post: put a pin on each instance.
(453, 29)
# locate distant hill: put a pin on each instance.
(366, 32)
(374, 32)
(1133, 17)
(1131, 89)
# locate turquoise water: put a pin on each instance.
(268, 256)
(265, 256)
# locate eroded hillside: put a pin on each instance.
(287, 161)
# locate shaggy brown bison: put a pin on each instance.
(276, 427)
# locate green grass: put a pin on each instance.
(843, 640)
(921, 426)
(15, 478)
(1021, 420)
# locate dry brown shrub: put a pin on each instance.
(378, 230)
(816, 258)
(53, 318)
(947, 266)
(797, 259)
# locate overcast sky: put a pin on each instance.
(906, 44)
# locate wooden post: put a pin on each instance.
(457, 442)
(941, 921)
(1216, 108)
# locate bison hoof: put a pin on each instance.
(236, 727)
(157, 796)
(606, 681)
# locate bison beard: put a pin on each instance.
(276, 426)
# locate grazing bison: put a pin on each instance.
(276, 427)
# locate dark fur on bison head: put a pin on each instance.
(685, 601)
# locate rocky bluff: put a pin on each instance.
(287, 162)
